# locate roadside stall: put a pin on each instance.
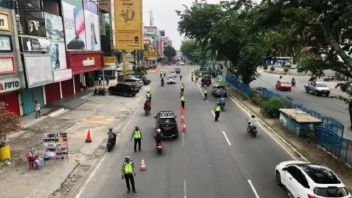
(297, 121)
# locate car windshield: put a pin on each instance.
(285, 82)
(331, 192)
(320, 174)
(320, 85)
(167, 121)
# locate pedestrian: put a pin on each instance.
(217, 111)
(164, 74)
(180, 77)
(137, 136)
(183, 101)
(205, 92)
(99, 81)
(107, 81)
(128, 174)
(192, 76)
(182, 88)
(37, 109)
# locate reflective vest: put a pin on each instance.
(183, 98)
(128, 168)
(182, 87)
(148, 95)
(137, 134)
(218, 108)
(205, 91)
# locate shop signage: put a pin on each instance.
(88, 62)
(9, 84)
(38, 70)
(61, 75)
(5, 43)
(35, 44)
(7, 64)
(4, 22)
(109, 60)
(151, 54)
(150, 30)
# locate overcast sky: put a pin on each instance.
(165, 17)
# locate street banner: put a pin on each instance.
(150, 54)
(92, 25)
(128, 22)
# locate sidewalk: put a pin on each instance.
(75, 116)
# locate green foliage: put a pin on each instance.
(258, 100)
(265, 67)
(272, 68)
(8, 122)
(271, 107)
(169, 52)
(191, 50)
(286, 69)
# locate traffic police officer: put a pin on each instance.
(128, 174)
(137, 136)
(217, 111)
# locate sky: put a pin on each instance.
(165, 17)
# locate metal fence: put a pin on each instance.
(337, 146)
(238, 85)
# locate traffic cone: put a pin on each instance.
(184, 129)
(143, 166)
(88, 139)
(182, 119)
(182, 110)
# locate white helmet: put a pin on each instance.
(158, 130)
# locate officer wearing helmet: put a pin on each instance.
(137, 137)
(128, 173)
(217, 111)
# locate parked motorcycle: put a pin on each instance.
(111, 141)
(252, 130)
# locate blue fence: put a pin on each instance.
(338, 146)
(238, 85)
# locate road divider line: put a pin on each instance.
(253, 189)
(90, 177)
(227, 139)
(212, 112)
(184, 188)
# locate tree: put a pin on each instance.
(8, 122)
(169, 52)
(191, 50)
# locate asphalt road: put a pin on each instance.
(334, 108)
(211, 160)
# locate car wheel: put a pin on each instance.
(327, 95)
(110, 92)
(307, 90)
(316, 93)
(278, 178)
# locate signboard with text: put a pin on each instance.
(4, 21)
(9, 84)
(151, 54)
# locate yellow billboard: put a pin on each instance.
(128, 25)
(150, 54)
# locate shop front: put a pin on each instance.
(83, 65)
(9, 94)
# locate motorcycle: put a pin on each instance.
(159, 147)
(111, 142)
(293, 83)
(222, 104)
(162, 83)
(252, 130)
(147, 108)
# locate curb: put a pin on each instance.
(272, 131)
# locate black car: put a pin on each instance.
(178, 70)
(123, 89)
(166, 122)
(206, 80)
(145, 80)
(219, 91)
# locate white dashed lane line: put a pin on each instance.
(253, 189)
(227, 139)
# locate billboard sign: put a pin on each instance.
(34, 44)
(92, 25)
(9, 84)
(38, 70)
(128, 22)
(5, 43)
(151, 54)
(4, 21)
(150, 30)
(54, 27)
(7, 64)
(74, 24)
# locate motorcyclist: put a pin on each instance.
(148, 96)
(182, 88)
(252, 122)
(111, 135)
(162, 81)
(158, 137)
(222, 101)
(147, 105)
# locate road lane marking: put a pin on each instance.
(212, 112)
(267, 132)
(253, 189)
(184, 188)
(228, 141)
(90, 177)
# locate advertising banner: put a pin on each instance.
(54, 27)
(5, 43)
(92, 25)
(34, 44)
(128, 22)
(75, 30)
(150, 30)
(38, 70)
(151, 54)
(61, 75)
(4, 21)
(36, 27)
(9, 84)
(7, 64)
(57, 55)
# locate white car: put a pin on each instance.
(306, 180)
(170, 79)
(172, 74)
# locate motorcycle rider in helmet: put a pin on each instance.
(252, 122)
(158, 137)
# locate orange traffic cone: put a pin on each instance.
(182, 110)
(143, 166)
(182, 119)
(88, 139)
(184, 129)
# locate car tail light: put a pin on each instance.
(312, 196)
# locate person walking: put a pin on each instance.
(182, 88)
(217, 111)
(183, 101)
(100, 81)
(137, 136)
(205, 92)
(128, 174)
(37, 109)
(180, 77)
(192, 76)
